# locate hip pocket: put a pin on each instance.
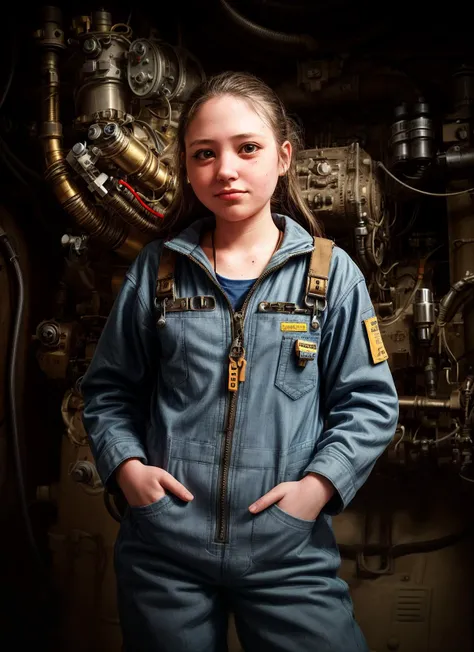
(153, 509)
(277, 536)
(292, 378)
(165, 525)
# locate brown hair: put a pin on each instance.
(287, 198)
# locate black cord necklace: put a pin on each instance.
(214, 251)
(280, 238)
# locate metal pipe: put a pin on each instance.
(89, 217)
(130, 214)
(425, 403)
(135, 158)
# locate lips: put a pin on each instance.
(230, 191)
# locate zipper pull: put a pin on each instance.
(237, 362)
(239, 320)
(242, 364)
(233, 382)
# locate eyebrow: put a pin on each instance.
(208, 141)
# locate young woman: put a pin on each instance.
(234, 405)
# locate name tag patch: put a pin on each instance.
(305, 352)
(293, 327)
(377, 348)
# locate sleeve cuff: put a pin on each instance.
(338, 472)
(113, 457)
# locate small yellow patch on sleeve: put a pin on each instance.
(377, 348)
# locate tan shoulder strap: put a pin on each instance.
(318, 274)
(165, 290)
(165, 278)
(317, 280)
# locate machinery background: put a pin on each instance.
(88, 111)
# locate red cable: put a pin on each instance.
(137, 196)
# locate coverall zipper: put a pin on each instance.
(237, 329)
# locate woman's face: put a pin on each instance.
(232, 159)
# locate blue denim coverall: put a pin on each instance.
(160, 395)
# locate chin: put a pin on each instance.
(236, 213)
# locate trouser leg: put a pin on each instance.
(296, 610)
(164, 606)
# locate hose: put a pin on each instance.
(292, 41)
(111, 508)
(455, 297)
(401, 549)
(115, 504)
(10, 74)
(12, 257)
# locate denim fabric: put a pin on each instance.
(161, 395)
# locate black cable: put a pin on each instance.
(11, 72)
(301, 43)
(9, 80)
(111, 507)
(350, 551)
(12, 257)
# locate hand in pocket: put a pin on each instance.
(143, 485)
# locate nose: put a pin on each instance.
(227, 167)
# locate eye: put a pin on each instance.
(249, 148)
(203, 154)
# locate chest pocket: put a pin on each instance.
(295, 380)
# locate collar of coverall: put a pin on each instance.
(295, 240)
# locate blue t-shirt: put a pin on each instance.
(235, 289)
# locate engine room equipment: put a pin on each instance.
(88, 137)
(340, 185)
(156, 69)
(423, 315)
(121, 86)
(133, 157)
(102, 92)
(421, 134)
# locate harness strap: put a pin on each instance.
(318, 275)
(165, 290)
(316, 282)
(165, 278)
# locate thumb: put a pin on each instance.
(273, 496)
(168, 482)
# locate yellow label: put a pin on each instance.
(293, 327)
(377, 348)
(306, 347)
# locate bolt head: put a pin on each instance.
(78, 149)
(110, 129)
(89, 45)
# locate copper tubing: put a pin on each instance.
(134, 158)
(89, 217)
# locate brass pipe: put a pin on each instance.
(135, 158)
(130, 214)
(101, 21)
(89, 217)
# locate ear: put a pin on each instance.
(286, 151)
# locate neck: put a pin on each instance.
(246, 234)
